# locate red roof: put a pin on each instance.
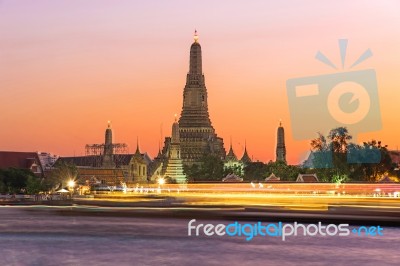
(308, 178)
(15, 159)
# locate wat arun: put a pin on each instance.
(197, 135)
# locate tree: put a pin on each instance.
(329, 154)
(339, 139)
(255, 171)
(338, 179)
(373, 171)
(33, 185)
(282, 170)
(211, 168)
(2, 186)
(60, 175)
(235, 169)
(335, 158)
(319, 143)
(15, 179)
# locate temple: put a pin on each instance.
(174, 166)
(196, 133)
(233, 164)
(110, 163)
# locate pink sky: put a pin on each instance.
(66, 67)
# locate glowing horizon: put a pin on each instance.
(66, 68)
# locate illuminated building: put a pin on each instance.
(138, 166)
(110, 163)
(174, 165)
(231, 161)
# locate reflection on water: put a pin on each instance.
(40, 238)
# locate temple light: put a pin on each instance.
(71, 183)
(161, 181)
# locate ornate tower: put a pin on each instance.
(197, 135)
(245, 158)
(108, 155)
(174, 169)
(280, 146)
(231, 156)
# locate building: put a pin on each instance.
(196, 133)
(22, 160)
(232, 178)
(104, 164)
(232, 162)
(231, 159)
(138, 166)
(307, 178)
(47, 160)
(280, 144)
(272, 178)
(174, 164)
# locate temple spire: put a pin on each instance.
(195, 58)
(175, 132)
(137, 147)
(108, 138)
(245, 158)
(280, 146)
(231, 154)
(108, 161)
(159, 155)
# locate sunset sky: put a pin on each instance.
(67, 67)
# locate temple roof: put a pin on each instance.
(307, 178)
(232, 178)
(272, 178)
(245, 158)
(231, 155)
(96, 160)
(137, 152)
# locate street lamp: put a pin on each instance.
(71, 185)
(161, 181)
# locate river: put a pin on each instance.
(30, 237)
